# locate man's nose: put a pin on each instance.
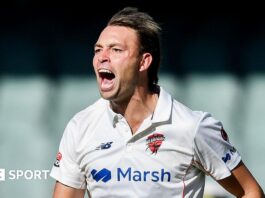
(104, 56)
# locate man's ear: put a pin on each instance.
(146, 61)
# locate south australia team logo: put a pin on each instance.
(154, 142)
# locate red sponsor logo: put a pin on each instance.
(154, 142)
(58, 159)
(224, 134)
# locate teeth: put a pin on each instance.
(104, 71)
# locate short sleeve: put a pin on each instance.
(66, 168)
(212, 150)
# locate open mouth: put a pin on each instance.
(104, 73)
(106, 79)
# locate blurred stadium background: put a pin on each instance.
(212, 61)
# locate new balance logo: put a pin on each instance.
(104, 175)
(104, 146)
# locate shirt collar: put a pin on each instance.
(162, 111)
(114, 117)
(163, 108)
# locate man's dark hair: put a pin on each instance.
(148, 34)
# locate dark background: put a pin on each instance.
(57, 38)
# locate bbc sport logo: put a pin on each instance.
(23, 174)
(2, 175)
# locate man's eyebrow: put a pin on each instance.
(115, 44)
(97, 45)
(110, 45)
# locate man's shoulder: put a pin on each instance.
(83, 122)
(93, 110)
(179, 109)
(186, 115)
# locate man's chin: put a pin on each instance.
(107, 95)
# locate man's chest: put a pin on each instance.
(156, 155)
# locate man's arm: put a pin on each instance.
(242, 184)
(63, 191)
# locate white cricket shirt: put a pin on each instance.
(167, 157)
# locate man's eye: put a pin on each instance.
(116, 50)
(96, 51)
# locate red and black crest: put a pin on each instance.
(154, 142)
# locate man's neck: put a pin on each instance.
(139, 106)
